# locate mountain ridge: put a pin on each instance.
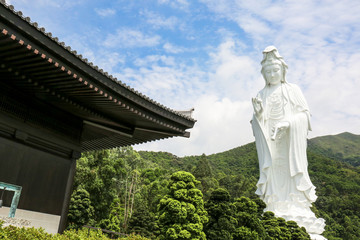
(344, 147)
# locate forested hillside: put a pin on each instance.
(127, 191)
(344, 147)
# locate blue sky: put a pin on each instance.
(206, 54)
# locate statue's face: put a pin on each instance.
(273, 74)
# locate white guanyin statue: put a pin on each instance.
(280, 124)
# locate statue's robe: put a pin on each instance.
(284, 183)
(297, 114)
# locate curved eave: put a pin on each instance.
(73, 61)
(42, 67)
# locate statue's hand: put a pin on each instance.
(283, 125)
(279, 130)
(258, 106)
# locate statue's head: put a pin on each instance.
(272, 59)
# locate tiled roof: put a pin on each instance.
(41, 65)
(85, 60)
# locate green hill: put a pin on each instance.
(125, 187)
(344, 147)
(333, 169)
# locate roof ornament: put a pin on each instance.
(187, 113)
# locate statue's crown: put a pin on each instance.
(271, 56)
(271, 60)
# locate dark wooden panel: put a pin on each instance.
(43, 176)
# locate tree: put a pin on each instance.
(115, 218)
(248, 216)
(130, 180)
(203, 173)
(242, 219)
(203, 168)
(81, 211)
(97, 173)
(232, 220)
(222, 224)
(154, 187)
(181, 213)
(278, 228)
(143, 222)
(107, 175)
(239, 185)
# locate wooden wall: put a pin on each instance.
(43, 176)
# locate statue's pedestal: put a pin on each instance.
(301, 214)
(317, 237)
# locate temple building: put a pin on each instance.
(54, 104)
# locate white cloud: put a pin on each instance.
(311, 21)
(126, 37)
(176, 85)
(105, 59)
(179, 4)
(331, 90)
(220, 95)
(170, 48)
(234, 74)
(105, 12)
(153, 60)
(222, 124)
(157, 21)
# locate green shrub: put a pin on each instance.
(16, 233)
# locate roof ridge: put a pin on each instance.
(91, 64)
